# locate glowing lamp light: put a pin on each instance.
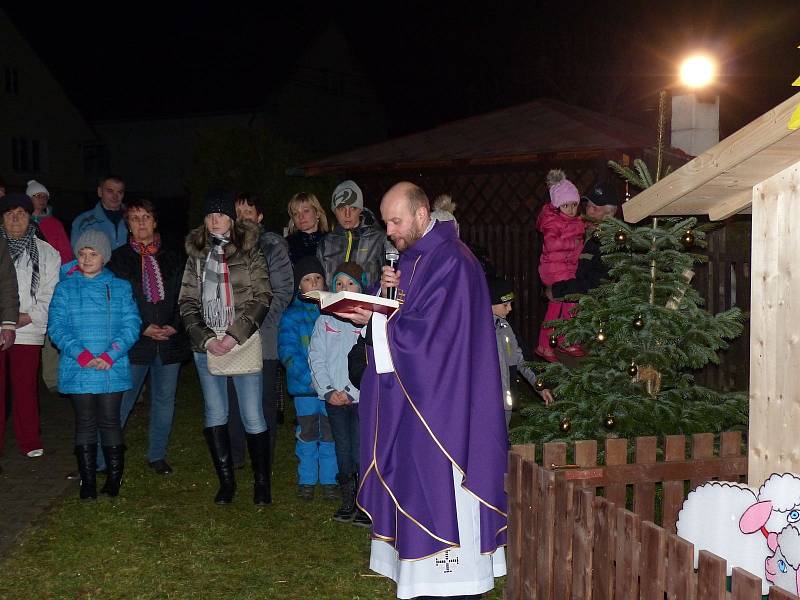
(697, 71)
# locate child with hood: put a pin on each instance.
(562, 232)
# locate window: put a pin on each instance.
(12, 81)
(28, 156)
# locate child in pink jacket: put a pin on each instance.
(562, 232)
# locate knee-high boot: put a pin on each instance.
(87, 470)
(115, 465)
(219, 444)
(259, 446)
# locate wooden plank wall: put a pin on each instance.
(567, 542)
(775, 327)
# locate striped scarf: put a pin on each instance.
(218, 310)
(152, 282)
(18, 247)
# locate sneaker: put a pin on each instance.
(35, 453)
(160, 466)
(331, 492)
(305, 492)
(73, 476)
(362, 519)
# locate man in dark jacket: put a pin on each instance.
(602, 203)
(356, 237)
(281, 278)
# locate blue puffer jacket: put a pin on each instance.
(294, 336)
(97, 315)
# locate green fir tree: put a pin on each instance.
(644, 332)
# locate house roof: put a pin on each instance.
(518, 134)
(720, 181)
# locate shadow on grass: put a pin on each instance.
(165, 538)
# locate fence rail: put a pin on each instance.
(568, 542)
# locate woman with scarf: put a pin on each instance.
(225, 295)
(154, 272)
(37, 264)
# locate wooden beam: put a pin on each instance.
(752, 139)
(731, 205)
(775, 328)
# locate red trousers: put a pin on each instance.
(19, 366)
(555, 310)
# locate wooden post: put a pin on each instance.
(774, 327)
(710, 577)
(583, 544)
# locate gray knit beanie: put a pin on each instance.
(97, 241)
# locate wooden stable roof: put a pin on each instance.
(522, 133)
(720, 181)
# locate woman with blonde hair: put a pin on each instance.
(308, 225)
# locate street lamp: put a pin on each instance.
(697, 71)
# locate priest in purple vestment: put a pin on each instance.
(433, 436)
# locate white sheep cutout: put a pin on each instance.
(742, 526)
(782, 568)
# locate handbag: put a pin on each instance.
(242, 359)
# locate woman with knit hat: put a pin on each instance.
(51, 227)
(94, 321)
(225, 295)
(562, 232)
(37, 265)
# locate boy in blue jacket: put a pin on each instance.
(314, 447)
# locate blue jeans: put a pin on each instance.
(163, 383)
(344, 425)
(215, 396)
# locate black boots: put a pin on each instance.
(87, 469)
(259, 446)
(347, 510)
(219, 444)
(115, 464)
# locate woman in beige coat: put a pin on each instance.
(225, 294)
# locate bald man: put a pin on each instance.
(433, 438)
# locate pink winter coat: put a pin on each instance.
(563, 242)
(54, 234)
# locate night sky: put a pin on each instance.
(430, 62)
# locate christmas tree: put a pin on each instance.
(644, 331)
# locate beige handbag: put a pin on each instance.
(242, 359)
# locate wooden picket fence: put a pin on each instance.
(579, 530)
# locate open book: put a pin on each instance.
(339, 302)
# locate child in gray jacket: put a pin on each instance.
(502, 293)
(331, 341)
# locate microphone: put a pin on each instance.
(392, 256)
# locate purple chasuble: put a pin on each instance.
(442, 406)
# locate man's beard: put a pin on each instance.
(405, 242)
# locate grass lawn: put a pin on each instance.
(165, 538)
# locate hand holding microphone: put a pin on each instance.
(389, 276)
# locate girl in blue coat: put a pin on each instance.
(94, 321)
(314, 445)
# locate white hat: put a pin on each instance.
(34, 187)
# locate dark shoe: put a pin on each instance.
(160, 467)
(305, 492)
(347, 510)
(330, 492)
(73, 476)
(115, 464)
(219, 444)
(258, 445)
(87, 471)
(361, 519)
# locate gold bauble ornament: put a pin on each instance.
(620, 237)
(610, 422)
(687, 239)
(539, 384)
(633, 369)
(553, 340)
(638, 322)
(601, 336)
(565, 425)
